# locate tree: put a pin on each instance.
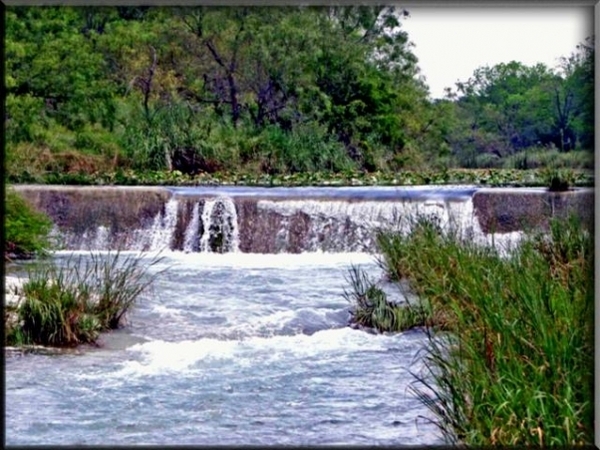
(49, 58)
(574, 98)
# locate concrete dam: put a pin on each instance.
(288, 220)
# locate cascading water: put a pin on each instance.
(101, 241)
(223, 224)
(190, 243)
(163, 228)
(334, 225)
(160, 234)
(220, 227)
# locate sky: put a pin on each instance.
(451, 43)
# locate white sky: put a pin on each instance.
(451, 43)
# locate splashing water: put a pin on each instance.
(163, 228)
(220, 226)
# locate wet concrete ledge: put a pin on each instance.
(503, 210)
(78, 207)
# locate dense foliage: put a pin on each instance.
(25, 229)
(509, 108)
(266, 90)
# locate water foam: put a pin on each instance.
(161, 357)
(269, 260)
(163, 227)
(101, 241)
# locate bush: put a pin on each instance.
(71, 304)
(370, 308)
(558, 179)
(26, 230)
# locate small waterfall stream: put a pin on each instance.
(161, 233)
(220, 232)
(190, 243)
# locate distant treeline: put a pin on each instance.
(273, 90)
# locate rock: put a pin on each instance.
(13, 283)
(13, 290)
(37, 349)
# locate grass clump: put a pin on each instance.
(68, 305)
(516, 365)
(372, 309)
(558, 179)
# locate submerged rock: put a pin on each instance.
(38, 350)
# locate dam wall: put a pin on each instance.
(292, 220)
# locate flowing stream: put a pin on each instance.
(228, 349)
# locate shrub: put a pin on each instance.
(535, 158)
(370, 307)
(558, 179)
(26, 230)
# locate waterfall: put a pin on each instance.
(341, 225)
(102, 239)
(280, 226)
(206, 222)
(190, 242)
(160, 235)
(220, 226)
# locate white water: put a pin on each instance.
(162, 230)
(329, 219)
(225, 221)
(207, 211)
(333, 225)
(191, 233)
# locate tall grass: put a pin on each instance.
(536, 158)
(516, 367)
(70, 304)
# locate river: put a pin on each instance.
(228, 349)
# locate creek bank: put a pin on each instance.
(508, 317)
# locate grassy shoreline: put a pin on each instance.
(510, 350)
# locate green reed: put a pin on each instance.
(70, 304)
(516, 364)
